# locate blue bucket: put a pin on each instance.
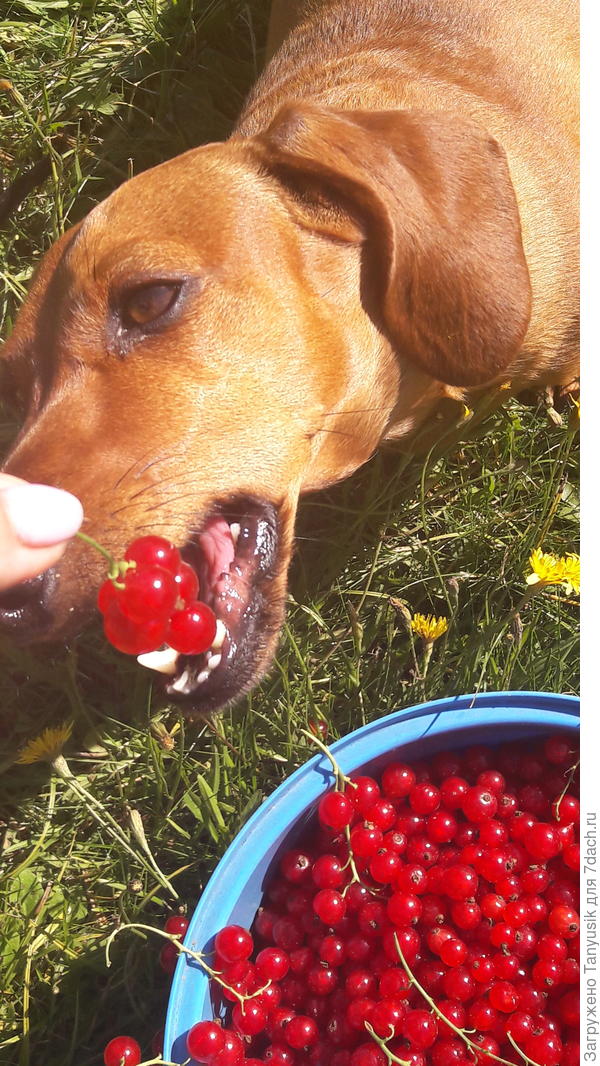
(235, 891)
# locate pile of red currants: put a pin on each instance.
(155, 602)
(430, 919)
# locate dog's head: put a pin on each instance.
(245, 323)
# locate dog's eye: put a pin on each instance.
(147, 303)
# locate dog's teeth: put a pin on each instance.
(164, 661)
(219, 636)
(235, 531)
(180, 685)
(213, 661)
(203, 676)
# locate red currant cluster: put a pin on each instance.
(152, 600)
(430, 920)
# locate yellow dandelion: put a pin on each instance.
(428, 626)
(547, 569)
(571, 573)
(48, 746)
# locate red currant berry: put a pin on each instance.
(565, 809)
(460, 882)
(186, 584)
(131, 637)
(564, 921)
(321, 980)
(301, 1032)
(231, 1053)
(424, 798)
(234, 943)
(542, 842)
(413, 878)
(559, 750)
(176, 925)
(329, 906)
(107, 594)
(404, 909)
(386, 1017)
(382, 814)
(384, 866)
(122, 1051)
(167, 958)
(458, 984)
(295, 867)
(368, 1055)
(205, 1039)
(546, 974)
(482, 1015)
(397, 780)
(504, 997)
(545, 1048)
(493, 781)
(332, 950)
(365, 840)
(249, 1018)
(466, 914)
(442, 827)
(453, 952)
(153, 551)
(287, 933)
(319, 728)
(335, 810)
(569, 1008)
(148, 594)
(363, 792)
(272, 964)
(420, 1029)
(452, 792)
(193, 629)
(571, 857)
(479, 804)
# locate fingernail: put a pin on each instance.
(41, 515)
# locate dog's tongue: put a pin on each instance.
(218, 551)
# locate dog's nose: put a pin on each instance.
(25, 604)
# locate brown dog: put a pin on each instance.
(393, 219)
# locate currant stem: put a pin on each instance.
(197, 956)
(571, 772)
(459, 1032)
(116, 569)
(161, 1062)
(383, 1045)
(340, 776)
(94, 544)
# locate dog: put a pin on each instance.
(393, 220)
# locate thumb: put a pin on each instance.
(36, 521)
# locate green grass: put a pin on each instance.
(137, 81)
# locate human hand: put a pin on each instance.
(36, 522)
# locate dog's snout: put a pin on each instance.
(24, 606)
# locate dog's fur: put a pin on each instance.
(394, 219)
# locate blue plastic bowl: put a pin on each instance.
(237, 886)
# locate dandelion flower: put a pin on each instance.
(547, 569)
(48, 746)
(571, 574)
(428, 626)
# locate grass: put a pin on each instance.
(107, 89)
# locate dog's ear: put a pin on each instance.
(430, 195)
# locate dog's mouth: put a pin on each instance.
(235, 555)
